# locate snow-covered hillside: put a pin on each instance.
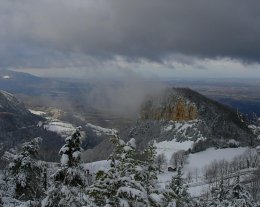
(55, 125)
(194, 166)
(101, 131)
(65, 129)
(93, 167)
(198, 161)
(62, 128)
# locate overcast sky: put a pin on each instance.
(110, 38)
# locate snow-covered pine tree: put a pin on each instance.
(155, 194)
(103, 191)
(219, 196)
(132, 190)
(124, 184)
(25, 172)
(240, 197)
(199, 203)
(68, 185)
(151, 167)
(178, 191)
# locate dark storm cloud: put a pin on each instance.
(47, 32)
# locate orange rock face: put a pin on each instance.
(181, 111)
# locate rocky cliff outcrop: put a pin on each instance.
(179, 110)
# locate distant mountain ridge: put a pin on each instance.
(13, 114)
(19, 82)
(18, 124)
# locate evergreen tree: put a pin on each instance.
(124, 184)
(237, 196)
(220, 196)
(129, 181)
(156, 197)
(151, 167)
(178, 191)
(103, 191)
(69, 181)
(240, 197)
(132, 190)
(25, 172)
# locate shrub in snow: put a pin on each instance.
(25, 172)
(68, 183)
(161, 161)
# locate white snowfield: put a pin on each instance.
(169, 147)
(93, 167)
(198, 161)
(101, 131)
(62, 128)
(39, 113)
(6, 77)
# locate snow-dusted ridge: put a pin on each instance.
(8, 96)
(101, 130)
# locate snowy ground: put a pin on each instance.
(102, 131)
(66, 129)
(40, 113)
(169, 147)
(199, 190)
(196, 162)
(93, 167)
(62, 128)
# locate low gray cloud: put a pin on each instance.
(57, 33)
(125, 97)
